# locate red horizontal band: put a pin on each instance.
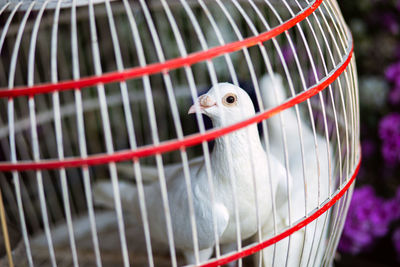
(188, 141)
(160, 67)
(257, 247)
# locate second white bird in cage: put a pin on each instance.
(310, 158)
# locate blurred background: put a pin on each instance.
(371, 236)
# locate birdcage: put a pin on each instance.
(95, 136)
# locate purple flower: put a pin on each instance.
(389, 132)
(393, 71)
(347, 245)
(390, 152)
(311, 76)
(389, 21)
(381, 218)
(396, 241)
(319, 119)
(392, 207)
(368, 218)
(287, 53)
(394, 95)
(389, 126)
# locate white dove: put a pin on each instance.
(273, 94)
(225, 104)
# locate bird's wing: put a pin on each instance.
(285, 180)
(203, 209)
(103, 193)
(126, 171)
(222, 215)
(205, 225)
(150, 173)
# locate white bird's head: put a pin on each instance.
(225, 104)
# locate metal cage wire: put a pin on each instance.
(99, 90)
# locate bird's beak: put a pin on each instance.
(204, 102)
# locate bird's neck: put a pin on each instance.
(239, 143)
(235, 153)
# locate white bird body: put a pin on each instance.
(242, 169)
(316, 176)
(249, 162)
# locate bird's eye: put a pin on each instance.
(229, 99)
